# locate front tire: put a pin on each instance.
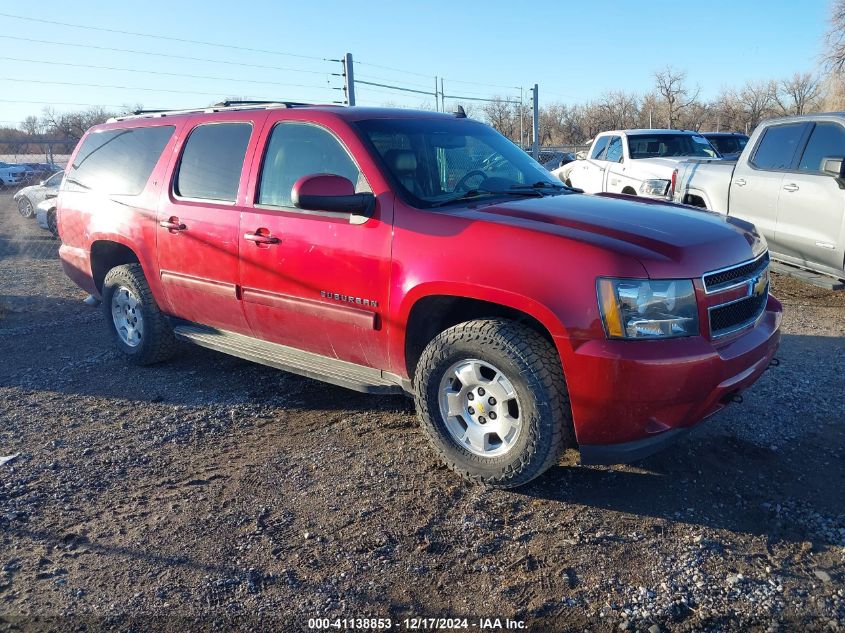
(491, 397)
(25, 207)
(140, 329)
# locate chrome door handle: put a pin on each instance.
(740, 182)
(791, 187)
(173, 224)
(260, 238)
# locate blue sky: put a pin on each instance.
(573, 50)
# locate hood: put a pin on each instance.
(662, 167)
(669, 240)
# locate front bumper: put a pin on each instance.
(629, 398)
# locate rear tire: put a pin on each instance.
(140, 329)
(471, 363)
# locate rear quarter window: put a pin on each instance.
(120, 161)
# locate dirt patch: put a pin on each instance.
(209, 492)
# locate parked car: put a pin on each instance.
(635, 162)
(790, 182)
(30, 197)
(336, 243)
(36, 172)
(728, 144)
(11, 175)
(45, 214)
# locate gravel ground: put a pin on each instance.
(212, 493)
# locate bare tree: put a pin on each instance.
(834, 57)
(799, 94)
(756, 99)
(619, 110)
(671, 85)
(502, 116)
(31, 125)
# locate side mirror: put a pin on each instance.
(835, 166)
(50, 196)
(42, 183)
(334, 194)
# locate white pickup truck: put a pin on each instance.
(635, 162)
(789, 181)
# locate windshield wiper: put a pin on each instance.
(542, 184)
(473, 194)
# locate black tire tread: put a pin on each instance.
(535, 353)
(160, 343)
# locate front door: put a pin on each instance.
(313, 280)
(590, 174)
(811, 207)
(198, 225)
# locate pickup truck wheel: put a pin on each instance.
(490, 395)
(25, 207)
(140, 329)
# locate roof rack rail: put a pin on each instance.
(223, 106)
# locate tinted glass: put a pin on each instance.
(728, 144)
(660, 145)
(211, 164)
(118, 161)
(55, 180)
(777, 147)
(826, 141)
(296, 150)
(440, 161)
(614, 150)
(598, 150)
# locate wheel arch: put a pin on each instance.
(426, 315)
(108, 253)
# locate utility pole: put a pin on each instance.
(535, 124)
(650, 124)
(442, 96)
(348, 80)
(436, 96)
(521, 117)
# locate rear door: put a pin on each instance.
(756, 184)
(198, 223)
(811, 207)
(317, 282)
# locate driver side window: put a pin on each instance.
(613, 153)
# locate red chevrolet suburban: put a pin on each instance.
(394, 251)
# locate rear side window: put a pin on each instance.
(601, 146)
(777, 147)
(826, 141)
(212, 161)
(300, 149)
(118, 162)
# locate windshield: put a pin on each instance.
(729, 144)
(660, 145)
(440, 161)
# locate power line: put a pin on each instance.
(161, 37)
(164, 55)
(111, 86)
(370, 83)
(405, 83)
(149, 72)
(67, 103)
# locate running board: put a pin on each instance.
(316, 366)
(822, 280)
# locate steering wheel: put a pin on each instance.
(461, 184)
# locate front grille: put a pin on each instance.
(721, 279)
(733, 316)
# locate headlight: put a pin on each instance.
(657, 187)
(640, 308)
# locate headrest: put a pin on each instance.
(401, 160)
